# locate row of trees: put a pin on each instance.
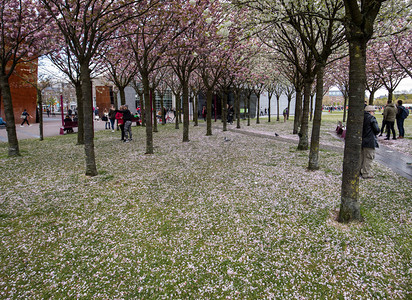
(210, 45)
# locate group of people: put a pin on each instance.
(391, 113)
(371, 130)
(124, 120)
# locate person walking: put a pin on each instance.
(25, 116)
(369, 141)
(120, 121)
(127, 118)
(401, 115)
(389, 114)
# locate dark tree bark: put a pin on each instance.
(314, 142)
(148, 114)
(209, 99)
(40, 108)
(298, 110)
(122, 95)
(258, 108)
(195, 109)
(154, 115)
(13, 149)
(80, 113)
(269, 105)
(224, 110)
(186, 123)
(91, 169)
(304, 128)
(359, 29)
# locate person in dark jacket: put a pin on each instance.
(400, 119)
(127, 118)
(389, 114)
(369, 141)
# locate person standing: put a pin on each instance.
(401, 115)
(96, 114)
(106, 119)
(285, 114)
(112, 116)
(127, 118)
(25, 116)
(389, 114)
(204, 112)
(369, 141)
(120, 121)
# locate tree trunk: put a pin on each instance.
(317, 120)
(270, 97)
(80, 114)
(390, 95)
(177, 109)
(91, 169)
(304, 127)
(154, 115)
(40, 105)
(278, 108)
(122, 95)
(9, 115)
(371, 97)
(162, 110)
(209, 99)
(142, 109)
(311, 107)
(345, 101)
(195, 110)
(147, 114)
(258, 109)
(349, 208)
(289, 100)
(237, 107)
(298, 111)
(185, 94)
(224, 110)
(248, 109)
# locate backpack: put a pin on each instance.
(404, 113)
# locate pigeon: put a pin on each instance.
(226, 139)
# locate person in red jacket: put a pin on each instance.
(120, 121)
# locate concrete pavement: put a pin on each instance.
(51, 127)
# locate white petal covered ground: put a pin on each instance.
(239, 218)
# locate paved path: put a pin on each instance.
(51, 127)
(384, 155)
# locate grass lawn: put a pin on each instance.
(215, 218)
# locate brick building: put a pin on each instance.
(23, 91)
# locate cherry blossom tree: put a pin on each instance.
(151, 37)
(24, 28)
(120, 65)
(385, 67)
(86, 26)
